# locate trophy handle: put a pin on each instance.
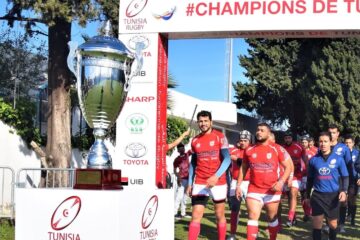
(72, 55)
(139, 63)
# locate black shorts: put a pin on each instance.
(325, 203)
(202, 200)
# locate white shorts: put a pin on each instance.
(217, 193)
(294, 184)
(244, 188)
(264, 198)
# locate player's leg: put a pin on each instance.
(352, 204)
(184, 182)
(271, 206)
(254, 204)
(317, 222)
(293, 202)
(198, 201)
(218, 194)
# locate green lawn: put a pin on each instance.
(7, 232)
(300, 231)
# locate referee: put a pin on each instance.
(324, 172)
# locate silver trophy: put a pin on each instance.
(103, 68)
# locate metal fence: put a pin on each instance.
(7, 183)
(45, 178)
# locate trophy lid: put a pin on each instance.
(106, 44)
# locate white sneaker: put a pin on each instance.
(231, 237)
(186, 216)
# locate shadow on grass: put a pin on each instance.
(301, 231)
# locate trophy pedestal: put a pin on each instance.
(99, 179)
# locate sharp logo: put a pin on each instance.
(149, 212)
(66, 213)
(137, 123)
(135, 150)
(141, 99)
(135, 7)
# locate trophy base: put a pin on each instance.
(99, 179)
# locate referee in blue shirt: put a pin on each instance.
(324, 172)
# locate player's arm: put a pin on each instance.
(225, 163)
(244, 168)
(192, 168)
(310, 181)
(286, 163)
(179, 139)
(345, 178)
(349, 166)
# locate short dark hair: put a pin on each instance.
(264, 124)
(334, 126)
(349, 136)
(204, 113)
(180, 145)
(325, 133)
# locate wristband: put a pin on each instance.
(291, 175)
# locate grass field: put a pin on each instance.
(300, 231)
(208, 229)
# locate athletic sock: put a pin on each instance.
(194, 230)
(291, 215)
(354, 212)
(252, 229)
(342, 216)
(234, 222)
(221, 227)
(332, 234)
(316, 234)
(273, 229)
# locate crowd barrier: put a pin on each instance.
(7, 183)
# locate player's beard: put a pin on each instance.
(288, 143)
(262, 140)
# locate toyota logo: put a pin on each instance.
(137, 41)
(66, 213)
(135, 150)
(135, 7)
(324, 171)
(149, 212)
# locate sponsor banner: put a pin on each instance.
(92, 214)
(162, 82)
(135, 151)
(247, 18)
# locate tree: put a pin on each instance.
(57, 17)
(22, 65)
(308, 82)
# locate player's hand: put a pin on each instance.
(358, 182)
(238, 193)
(278, 186)
(188, 190)
(342, 197)
(211, 181)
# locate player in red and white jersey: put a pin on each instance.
(312, 145)
(209, 162)
(310, 152)
(237, 154)
(298, 156)
(263, 160)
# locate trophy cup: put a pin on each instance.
(103, 69)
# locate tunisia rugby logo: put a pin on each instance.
(66, 213)
(149, 212)
(135, 7)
